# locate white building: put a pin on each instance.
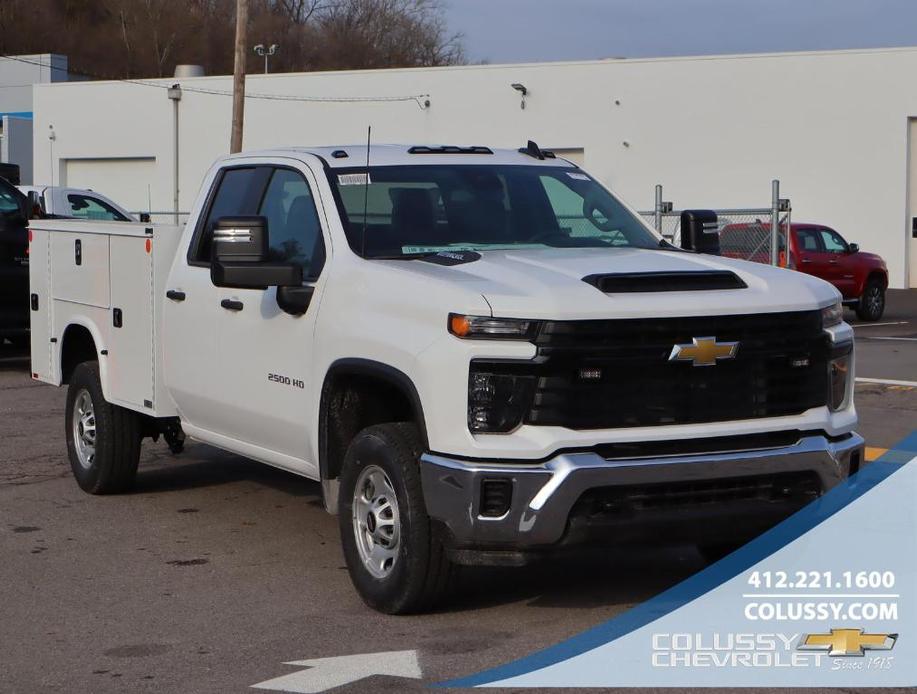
(18, 74)
(834, 127)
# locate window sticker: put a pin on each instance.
(354, 179)
(579, 176)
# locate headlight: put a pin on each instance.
(497, 403)
(832, 315)
(839, 376)
(485, 328)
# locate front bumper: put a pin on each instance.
(544, 494)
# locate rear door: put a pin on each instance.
(190, 317)
(14, 263)
(812, 257)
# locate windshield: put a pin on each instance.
(412, 210)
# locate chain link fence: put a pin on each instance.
(744, 233)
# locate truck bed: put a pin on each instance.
(109, 278)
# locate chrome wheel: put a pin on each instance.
(84, 429)
(376, 522)
(873, 300)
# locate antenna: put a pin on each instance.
(369, 137)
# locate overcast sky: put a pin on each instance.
(510, 31)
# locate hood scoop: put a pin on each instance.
(692, 281)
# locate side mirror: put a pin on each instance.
(853, 248)
(34, 208)
(699, 231)
(239, 256)
(145, 217)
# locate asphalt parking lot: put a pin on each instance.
(216, 571)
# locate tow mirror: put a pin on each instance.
(700, 231)
(853, 248)
(239, 256)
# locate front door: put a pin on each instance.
(265, 353)
(839, 262)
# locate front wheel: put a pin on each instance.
(103, 440)
(872, 303)
(395, 555)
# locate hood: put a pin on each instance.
(872, 258)
(548, 284)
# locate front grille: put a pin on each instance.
(628, 500)
(617, 373)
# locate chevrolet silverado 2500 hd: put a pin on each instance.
(482, 356)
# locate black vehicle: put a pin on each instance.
(14, 264)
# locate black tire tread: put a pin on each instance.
(419, 595)
(118, 457)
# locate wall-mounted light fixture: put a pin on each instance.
(523, 90)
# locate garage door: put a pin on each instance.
(126, 181)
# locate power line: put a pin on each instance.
(422, 100)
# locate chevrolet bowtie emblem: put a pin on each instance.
(705, 351)
(847, 642)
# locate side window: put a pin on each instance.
(8, 201)
(293, 226)
(238, 193)
(85, 207)
(833, 241)
(808, 241)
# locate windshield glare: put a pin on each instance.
(410, 210)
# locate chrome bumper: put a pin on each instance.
(544, 493)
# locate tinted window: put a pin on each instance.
(85, 207)
(9, 202)
(406, 210)
(238, 192)
(833, 241)
(293, 228)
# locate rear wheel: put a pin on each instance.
(394, 553)
(103, 440)
(872, 303)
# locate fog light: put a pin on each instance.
(496, 497)
(838, 378)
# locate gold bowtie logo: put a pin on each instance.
(704, 351)
(847, 642)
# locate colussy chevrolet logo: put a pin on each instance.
(705, 351)
(847, 642)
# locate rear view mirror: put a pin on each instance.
(853, 248)
(239, 256)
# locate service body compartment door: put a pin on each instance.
(130, 352)
(40, 305)
(80, 263)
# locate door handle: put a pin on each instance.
(232, 305)
(175, 295)
(806, 261)
(832, 262)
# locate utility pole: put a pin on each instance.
(238, 78)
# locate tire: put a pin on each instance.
(872, 303)
(103, 440)
(396, 557)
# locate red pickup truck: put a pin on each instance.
(815, 249)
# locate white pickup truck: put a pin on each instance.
(482, 355)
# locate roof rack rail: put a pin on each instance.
(533, 150)
(449, 149)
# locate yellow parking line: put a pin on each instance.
(874, 453)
